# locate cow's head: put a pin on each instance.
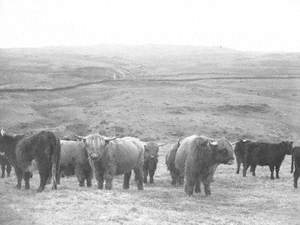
(287, 146)
(222, 151)
(151, 151)
(95, 145)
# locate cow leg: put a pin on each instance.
(198, 188)
(139, 175)
(126, 180)
(151, 174)
(19, 175)
(238, 166)
(245, 167)
(3, 170)
(108, 177)
(108, 181)
(27, 176)
(189, 185)
(44, 174)
(207, 188)
(190, 180)
(180, 179)
(8, 169)
(80, 175)
(277, 167)
(272, 171)
(89, 175)
(253, 167)
(145, 170)
(296, 176)
(173, 177)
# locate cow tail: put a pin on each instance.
(292, 164)
(56, 163)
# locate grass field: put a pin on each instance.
(157, 93)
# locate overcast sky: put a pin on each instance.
(256, 25)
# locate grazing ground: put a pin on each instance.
(158, 93)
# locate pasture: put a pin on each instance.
(157, 93)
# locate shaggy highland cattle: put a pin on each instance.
(74, 160)
(198, 157)
(296, 164)
(150, 160)
(115, 156)
(170, 162)
(44, 148)
(266, 154)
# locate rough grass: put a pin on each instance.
(234, 200)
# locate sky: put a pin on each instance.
(254, 25)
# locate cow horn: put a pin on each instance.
(110, 138)
(213, 143)
(80, 137)
(162, 145)
(2, 132)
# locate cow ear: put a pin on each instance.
(2, 132)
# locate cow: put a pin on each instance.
(266, 154)
(170, 162)
(150, 160)
(5, 165)
(74, 160)
(44, 148)
(7, 149)
(296, 164)
(239, 151)
(198, 157)
(115, 156)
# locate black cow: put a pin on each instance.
(266, 154)
(43, 148)
(7, 149)
(239, 151)
(296, 164)
(5, 165)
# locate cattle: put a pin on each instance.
(115, 156)
(266, 154)
(296, 164)
(170, 162)
(239, 151)
(150, 160)
(74, 160)
(44, 148)
(5, 165)
(7, 148)
(198, 157)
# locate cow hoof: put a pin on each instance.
(125, 187)
(18, 186)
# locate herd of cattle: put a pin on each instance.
(192, 160)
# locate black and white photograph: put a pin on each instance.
(139, 112)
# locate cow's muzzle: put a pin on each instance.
(93, 156)
(230, 162)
